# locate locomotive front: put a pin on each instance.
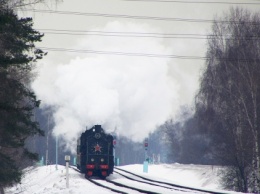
(95, 152)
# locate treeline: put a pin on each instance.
(224, 129)
(183, 142)
(226, 125)
(228, 105)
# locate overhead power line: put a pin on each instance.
(196, 2)
(151, 36)
(133, 17)
(119, 16)
(121, 53)
(121, 32)
(142, 34)
(143, 54)
(125, 35)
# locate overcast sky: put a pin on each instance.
(148, 84)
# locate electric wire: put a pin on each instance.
(153, 36)
(118, 35)
(136, 17)
(121, 32)
(195, 2)
(144, 34)
(121, 53)
(143, 54)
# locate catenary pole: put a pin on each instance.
(57, 142)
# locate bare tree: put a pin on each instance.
(228, 99)
(15, 4)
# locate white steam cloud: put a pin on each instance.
(130, 94)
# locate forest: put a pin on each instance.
(221, 129)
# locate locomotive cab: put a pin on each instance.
(95, 152)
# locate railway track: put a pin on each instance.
(110, 185)
(162, 185)
(135, 177)
(133, 183)
(120, 188)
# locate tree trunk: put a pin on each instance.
(256, 167)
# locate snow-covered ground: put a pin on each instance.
(190, 175)
(48, 180)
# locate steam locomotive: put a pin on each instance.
(95, 153)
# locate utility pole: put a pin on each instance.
(47, 141)
(57, 143)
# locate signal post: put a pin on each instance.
(146, 159)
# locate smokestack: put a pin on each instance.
(97, 128)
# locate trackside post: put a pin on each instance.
(146, 159)
(67, 159)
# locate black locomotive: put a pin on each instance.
(95, 152)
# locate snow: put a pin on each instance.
(190, 175)
(48, 180)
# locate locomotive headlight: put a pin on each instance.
(102, 160)
(92, 160)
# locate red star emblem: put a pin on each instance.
(97, 148)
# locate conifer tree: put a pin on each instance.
(17, 101)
